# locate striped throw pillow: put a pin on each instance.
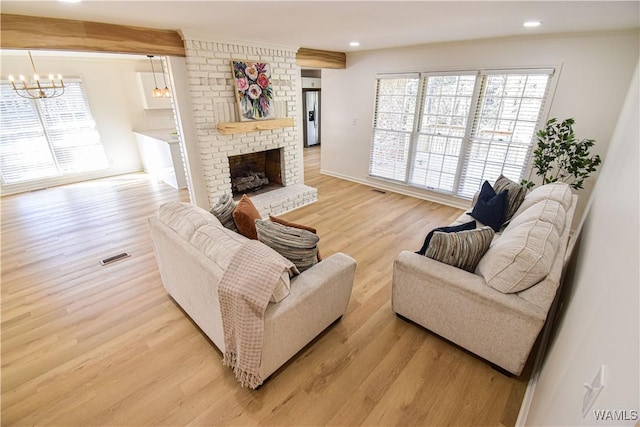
(223, 210)
(297, 245)
(463, 249)
(295, 225)
(515, 195)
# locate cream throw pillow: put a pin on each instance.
(558, 191)
(521, 257)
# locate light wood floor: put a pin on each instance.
(85, 344)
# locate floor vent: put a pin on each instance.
(114, 258)
(377, 190)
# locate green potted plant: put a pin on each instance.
(560, 156)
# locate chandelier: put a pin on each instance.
(159, 93)
(37, 88)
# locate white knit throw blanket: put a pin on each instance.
(244, 291)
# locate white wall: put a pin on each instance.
(596, 70)
(112, 91)
(600, 324)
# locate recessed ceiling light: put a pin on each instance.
(354, 44)
(69, 1)
(531, 24)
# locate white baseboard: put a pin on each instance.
(401, 189)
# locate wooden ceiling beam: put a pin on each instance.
(321, 58)
(39, 33)
(33, 32)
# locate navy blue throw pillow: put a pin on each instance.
(451, 229)
(490, 207)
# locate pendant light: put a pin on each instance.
(157, 93)
(166, 92)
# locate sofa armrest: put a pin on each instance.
(318, 297)
(334, 275)
(337, 267)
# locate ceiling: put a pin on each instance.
(331, 25)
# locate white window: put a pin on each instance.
(449, 132)
(46, 138)
(393, 126)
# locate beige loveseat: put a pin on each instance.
(193, 250)
(498, 310)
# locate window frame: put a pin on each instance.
(54, 141)
(420, 115)
(375, 127)
(474, 111)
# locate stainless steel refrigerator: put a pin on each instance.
(311, 104)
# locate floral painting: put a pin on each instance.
(254, 92)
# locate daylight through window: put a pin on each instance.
(48, 137)
(449, 132)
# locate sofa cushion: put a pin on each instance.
(184, 218)
(223, 210)
(217, 243)
(558, 191)
(490, 207)
(297, 245)
(463, 249)
(295, 225)
(521, 257)
(450, 229)
(547, 210)
(244, 216)
(515, 195)
(220, 244)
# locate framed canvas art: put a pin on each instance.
(254, 92)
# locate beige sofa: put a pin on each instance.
(498, 311)
(193, 249)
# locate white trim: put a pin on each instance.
(465, 72)
(381, 184)
(45, 183)
(408, 75)
(466, 69)
(544, 117)
(548, 71)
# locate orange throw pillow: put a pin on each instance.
(244, 216)
(294, 225)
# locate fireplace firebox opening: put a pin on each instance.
(255, 172)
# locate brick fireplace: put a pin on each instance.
(212, 91)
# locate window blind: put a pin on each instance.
(503, 127)
(392, 126)
(24, 151)
(451, 131)
(47, 137)
(443, 122)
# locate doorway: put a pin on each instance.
(311, 111)
(311, 108)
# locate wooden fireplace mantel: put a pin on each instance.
(230, 128)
